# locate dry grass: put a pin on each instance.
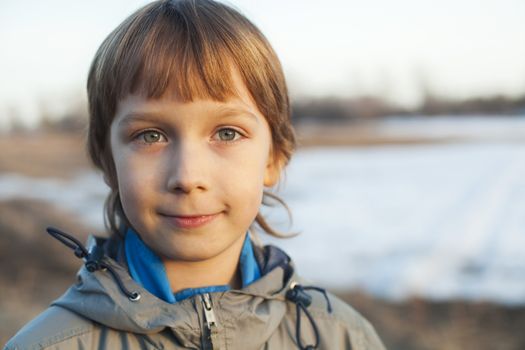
(446, 325)
(354, 135)
(43, 155)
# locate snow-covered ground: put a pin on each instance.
(439, 221)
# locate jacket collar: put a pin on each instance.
(147, 269)
(260, 305)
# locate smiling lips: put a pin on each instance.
(190, 221)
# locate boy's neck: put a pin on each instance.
(222, 269)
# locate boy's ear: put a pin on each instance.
(273, 169)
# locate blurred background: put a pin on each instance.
(408, 186)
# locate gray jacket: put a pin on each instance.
(277, 311)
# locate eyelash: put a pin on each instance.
(238, 136)
(140, 136)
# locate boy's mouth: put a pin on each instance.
(189, 221)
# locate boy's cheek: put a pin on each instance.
(134, 169)
(248, 196)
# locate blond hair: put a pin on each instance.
(188, 46)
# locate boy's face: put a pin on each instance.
(191, 175)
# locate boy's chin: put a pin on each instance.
(191, 250)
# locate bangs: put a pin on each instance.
(168, 51)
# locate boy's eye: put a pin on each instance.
(228, 134)
(151, 136)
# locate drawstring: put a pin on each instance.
(302, 301)
(94, 259)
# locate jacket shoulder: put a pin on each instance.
(51, 327)
(343, 327)
(355, 324)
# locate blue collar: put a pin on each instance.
(146, 268)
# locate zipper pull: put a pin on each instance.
(209, 314)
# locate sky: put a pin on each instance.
(395, 49)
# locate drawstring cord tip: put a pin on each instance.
(93, 260)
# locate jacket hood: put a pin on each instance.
(259, 307)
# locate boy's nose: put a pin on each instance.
(187, 170)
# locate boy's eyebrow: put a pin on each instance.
(237, 111)
(148, 116)
(138, 116)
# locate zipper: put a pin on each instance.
(211, 331)
(209, 314)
